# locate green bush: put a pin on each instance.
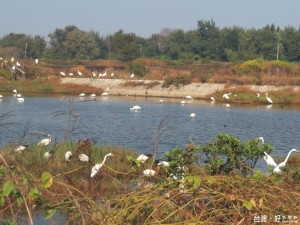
(228, 153)
(139, 68)
(7, 74)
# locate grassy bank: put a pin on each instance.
(46, 86)
(121, 194)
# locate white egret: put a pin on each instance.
(182, 102)
(163, 163)
(83, 158)
(269, 99)
(79, 73)
(136, 107)
(104, 74)
(62, 73)
(192, 115)
(104, 94)
(97, 167)
(20, 99)
(36, 61)
(82, 95)
(143, 157)
(19, 95)
(100, 75)
(94, 74)
(257, 95)
(92, 96)
(1, 96)
(21, 148)
(12, 59)
(14, 68)
(267, 157)
(227, 105)
(212, 99)
(15, 91)
(71, 74)
(161, 101)
(18, 64)
(189, 97)
(48, 154)
(45, 141)
(112, 74)
(226, 95)
(149, 172)
(68, 156)
(282, 164)
(132, 76)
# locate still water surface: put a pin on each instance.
(109, 121)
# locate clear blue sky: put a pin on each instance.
(142, 17)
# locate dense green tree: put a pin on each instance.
(81, 45)
(174, 44)
(291, 43)
(57, 38)
(125, 46)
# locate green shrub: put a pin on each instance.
(7, 74)
(139, 68)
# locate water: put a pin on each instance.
(110, 122)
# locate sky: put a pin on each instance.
(142, 17)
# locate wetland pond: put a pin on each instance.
(110, 121)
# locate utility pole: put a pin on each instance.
(25, 49)
(277, 51)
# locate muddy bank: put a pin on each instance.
(196, 90)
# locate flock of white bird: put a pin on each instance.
(16, 94)
(94, 74)
(227, 97)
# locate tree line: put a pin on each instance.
(207, 42)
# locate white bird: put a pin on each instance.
(182, 102)
(212, 99)
(14, 68)
(20, 99)
(149, 172)
(100, 75)
(227, 105)
(143, 157)
(94, 74)
(93, 96)
(19, 95)
(18, 64)
(269, 99)
(1, 96)
(12, 59)
(132, 76)
(62, 73)
(112, 74)
(45, 141)
(161, 101)
(226, 95)
(82, 95)
(107, 88)
(83, 158)
(163, 163)
(97, 167)
(257, 95)
(267, 157)
(189, 97)
(71, 74)
(48, 154)
(68, 156)
(21, 148)
(15, 91)
(104, 74)
(136, 107)
(192, 115)
(36, 61)
(282, 164)
(79, 73)
(104, 94)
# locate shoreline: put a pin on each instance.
(196, 90)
